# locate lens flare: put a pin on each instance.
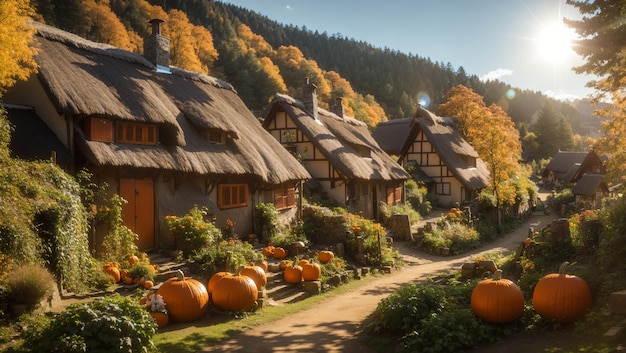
(423, 99)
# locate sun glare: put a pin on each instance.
(555, 42)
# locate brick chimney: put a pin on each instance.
(156, 48)
(338, 108)
(309, 97)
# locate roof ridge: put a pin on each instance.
(67, 38)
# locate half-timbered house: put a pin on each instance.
(435, 153)
(345, 162)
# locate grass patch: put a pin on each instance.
(216, 327)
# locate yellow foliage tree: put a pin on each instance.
(493, 135)
(16, 55)
(102, 25)
(182, 52)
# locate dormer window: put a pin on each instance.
(135, 133)
(215, 135)
(99, 129)
(362, 151)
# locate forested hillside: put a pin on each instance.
(261, 57)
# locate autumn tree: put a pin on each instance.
(467, 108)
(16, 55)
(602, 47)
(493, 135)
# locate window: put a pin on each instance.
(140, 134)
(394, 195)
(215, 135)
(284, 197)
(442, 189)
(232, 195)
(98, 129)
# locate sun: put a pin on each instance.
(554, 42)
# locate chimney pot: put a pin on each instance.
(309, 97)
(156, 48)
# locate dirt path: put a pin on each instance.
(332, 326)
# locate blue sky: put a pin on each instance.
(507, 40)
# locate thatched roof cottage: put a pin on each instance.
(433, 150)
(164, 138)
(346, 163)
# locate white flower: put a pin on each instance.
(155, 303)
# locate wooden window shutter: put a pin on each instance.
(99, 129)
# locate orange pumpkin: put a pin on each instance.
(303, 262)
(185, 297)
(293, 274)
(279, 253)
(132, 260)
(311, 271)
(161, 319)
(262, 264)
(256, 273)
(325, 256)
(216, 277)
(561, 297)
(283, 264)
(497, 300)
(148, 284)
(235, 293)
(123, 274)
(268, 251)
(128, 280)
(113, 272)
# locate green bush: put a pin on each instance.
(418, 197)
(458, 238)
(193, 227)
(111, 324)
(227, 254)
(266, 220)
(435, 317)
(29, 284)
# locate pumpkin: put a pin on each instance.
(256, 273)
(268, 251)
(148, 284)
(216, 277)
(132, 260)
(293, 274)
(311, 271)
(235, 292)
(561, 297)
(279, 253)
(497, 300)
(113, 272)
(262, 264)
(123, 274)
(303, 262)
(161, 319)
(325, 256)
(185, 297)
(128, 280)
(283, 264)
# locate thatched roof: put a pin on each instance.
(339, 138)
(398, 135)
(562, 163)
(84, 78)
(28, 127)
(589, 184)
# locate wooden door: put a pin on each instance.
(138, 213)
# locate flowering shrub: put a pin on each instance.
(375, 247)
(193, 228)
(156, 304)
